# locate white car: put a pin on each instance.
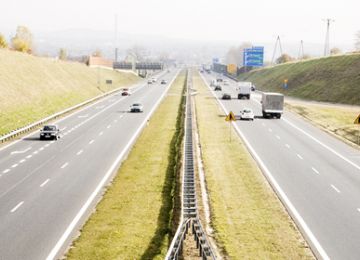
(136, 108)
(226, 82)
(154, 79)
(247, 114)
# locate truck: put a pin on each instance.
(272, 104)
(244, 88)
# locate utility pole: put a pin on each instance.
(278, 42)
(301, 50)
(116, 38)
(327, 37)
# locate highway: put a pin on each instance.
(48, 188)
(316, 175)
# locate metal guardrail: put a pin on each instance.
(189, 214)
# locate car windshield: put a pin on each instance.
(49, 128)
(247, 111)
(136, 105)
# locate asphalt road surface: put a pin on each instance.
(48, 188)
(316, 175)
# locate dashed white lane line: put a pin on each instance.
(36, 152)
(336, 189)
(270, 130)
(121, 116)
(64, 165)
(44, 183)
(47, 145)
(263, 124)
(6, 171)
(64, 128)
(22, 161)
(278, 137)
(29, 156)
(79, 152)
(287, 146)
(42, 148)
(299, 156)
(108, 126)
(316, 171)
(358, 209)
(14, 165)
(91, 141)
(16, 207)
(115, 121)
(101, 133)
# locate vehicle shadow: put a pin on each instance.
(33, 138)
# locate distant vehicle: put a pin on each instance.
(272, 104)
(201, 71)
(150, 81)
(213, 83)
(247, 114)
(218, 88)
(163, 82)
(136, 108)
(207, 68)
(50, 132)
(154, 79)
(125, 92)
(226, 96)
(226, 82)
(253, 88)
(244, 89)
(219, 80)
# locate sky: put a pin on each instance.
(195, 20)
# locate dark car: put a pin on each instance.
(218, 88)
(50, 132)
(226, 96)
(125, 92)
(163, 82)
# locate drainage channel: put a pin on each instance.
(189, 212)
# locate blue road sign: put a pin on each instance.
(254, 56)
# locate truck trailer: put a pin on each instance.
(244, 89)
(272, 104)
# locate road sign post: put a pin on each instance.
(285, 83)
(229, 118)
(357, 122)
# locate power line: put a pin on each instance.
(327, 36)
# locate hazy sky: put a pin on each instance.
(225, 20)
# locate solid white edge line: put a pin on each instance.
(292, 210)
(336, 189)
(44, 183)
(103, 181)
(17, 206)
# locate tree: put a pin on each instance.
(335, 51)
(284, 58)
(23, 40)
(3, 43)
(306, 57)
(235, 54)
(357, 41)
(62, 54)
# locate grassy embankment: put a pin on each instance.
(248, 219)
(333, 79)
(32, 88)
(134, 218)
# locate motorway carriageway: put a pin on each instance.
(315, 175)
(48, 188)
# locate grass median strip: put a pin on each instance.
(248, 219)
(133, 220)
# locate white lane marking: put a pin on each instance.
(101, 133)
(316, 171)
(270, 130)
(29, 156)
(322, 144)
(36, 152)
(336, 189)
(358, 209)
(278, 137)
(47, 145)
(83, 116)
(42, 148)
(44, 183)
(79, 152)
(6, 171)
(91, 141)
(23, 151)
(292, 210)
(121, 116)
(88, 202)
(108, 126)
(115, 121)
(52, 142)
(14, 165)
(287, 146)
(300, 157)
(64, 165)
(64, 128)
(263, 124)
(22, 161)
(16, 207)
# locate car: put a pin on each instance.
(218, 88)
(153, 79)
(50, 132)
(125, 92)
(226, 82)
(150, 81)
(136, 108)
(247, 114)
(163, 82)
(219, 80)
(213, 83)
(226, 96)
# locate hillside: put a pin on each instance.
(333, 79)
(32, 88)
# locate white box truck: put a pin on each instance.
(272, 104)
(244, 89)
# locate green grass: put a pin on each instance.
(248, 219)
(32, 88)
(338, 120)
(332, 79)
(134, 218)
